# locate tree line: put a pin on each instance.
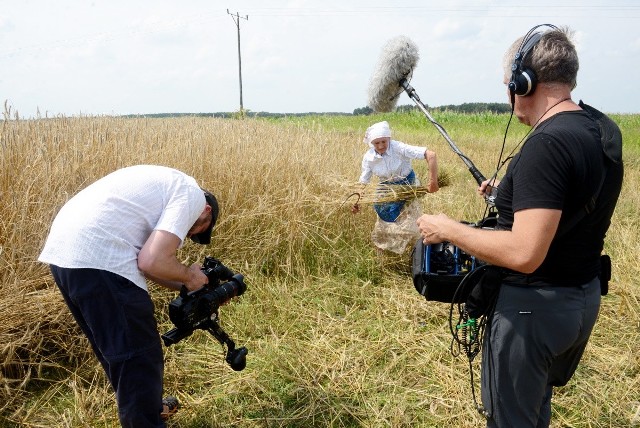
(460, 108)
(470, 108)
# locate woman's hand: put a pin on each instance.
(432, 162)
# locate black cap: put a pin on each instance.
(204, 238)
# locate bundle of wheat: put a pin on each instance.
(391, 193)
(384, 193)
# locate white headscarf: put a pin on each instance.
(377, 130)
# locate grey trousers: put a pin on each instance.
(536, 339)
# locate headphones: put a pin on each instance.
(523, 80)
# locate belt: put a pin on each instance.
(537, 280)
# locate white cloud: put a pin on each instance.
(150, 56)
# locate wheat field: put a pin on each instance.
(336, 336)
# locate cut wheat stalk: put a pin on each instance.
(385, 193)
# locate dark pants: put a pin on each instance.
(536, 339)
(117, 318)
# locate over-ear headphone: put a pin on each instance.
(523, 80)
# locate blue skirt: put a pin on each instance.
(389, 211)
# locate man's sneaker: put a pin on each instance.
(170, 406)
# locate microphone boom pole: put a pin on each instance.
(411, 92)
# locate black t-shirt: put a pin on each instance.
(561, 166)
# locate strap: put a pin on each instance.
(611, 140)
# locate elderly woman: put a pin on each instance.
(390, 161)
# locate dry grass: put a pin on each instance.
(335, 339)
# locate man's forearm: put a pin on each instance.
(173, 285)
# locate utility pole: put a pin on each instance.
(236, 19)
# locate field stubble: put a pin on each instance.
(335, 338)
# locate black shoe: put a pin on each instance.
(170, 406)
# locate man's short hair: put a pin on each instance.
(554, 58)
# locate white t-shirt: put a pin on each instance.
(105, 225)
(394, 164)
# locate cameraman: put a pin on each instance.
(103, 243)
(548, 244)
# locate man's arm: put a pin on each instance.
(157, 260)
(173, 285)
(522, 249)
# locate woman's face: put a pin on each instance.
(380, 145)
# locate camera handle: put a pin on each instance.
(236, 358)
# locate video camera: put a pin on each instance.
(199, 310)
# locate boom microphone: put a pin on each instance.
(397, 61)
(395, 68)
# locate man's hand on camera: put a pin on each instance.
(197, 279)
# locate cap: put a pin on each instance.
(204, 238)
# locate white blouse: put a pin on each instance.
(394, 164)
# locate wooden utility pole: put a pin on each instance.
(236, 19)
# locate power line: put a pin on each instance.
(502, 11)
(577, 10)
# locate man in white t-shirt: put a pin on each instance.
(103, 245)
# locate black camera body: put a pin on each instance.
(195, 310)
(190, 310)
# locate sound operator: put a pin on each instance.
(555, 203)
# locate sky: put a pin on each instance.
(116, 57)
